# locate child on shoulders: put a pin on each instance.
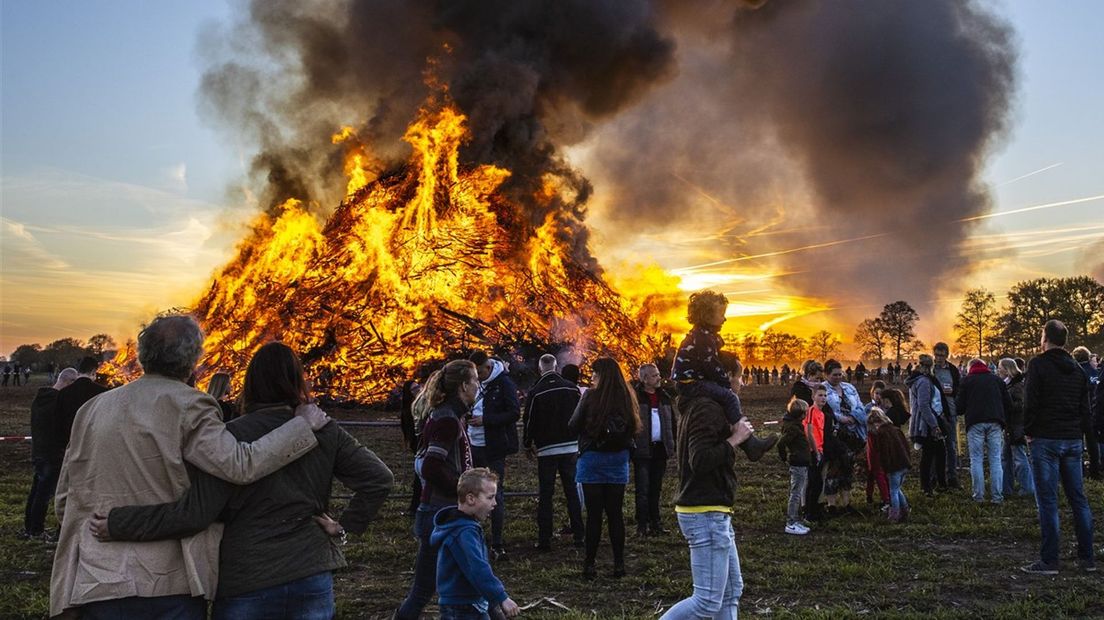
(698, 369)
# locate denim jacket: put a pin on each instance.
(858, 412)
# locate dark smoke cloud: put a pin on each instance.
(859, 117)
(531, 76)
(875, 113)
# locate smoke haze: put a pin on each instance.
(773, 125)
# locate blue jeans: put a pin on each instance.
(1054, 460)
(951, 446)
(463, 612)
(425, 566)
(1017, 471)
(715, 566)
(986, 438)
(309, 598)
(175, 607)
(897, 497)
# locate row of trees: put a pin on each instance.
(63, 352)
(987, 329)
(776, 347)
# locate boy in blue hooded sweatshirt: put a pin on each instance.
(466, 586)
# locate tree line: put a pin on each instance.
(987, 329)
(62, 352)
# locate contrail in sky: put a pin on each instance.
(1049, 205)
(776, 253)
(1030, 174)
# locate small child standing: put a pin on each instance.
(698, 369)
(793, 448)
(817, 427)
(892, 449)
(467, 589)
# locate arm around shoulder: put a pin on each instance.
(212, 448)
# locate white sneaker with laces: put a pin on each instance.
(797, 529)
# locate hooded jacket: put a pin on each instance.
(464, 575)
(924, 421)
(982, 397)
(793, 445)
(1056, 397)
(548, 408)
(501, 411)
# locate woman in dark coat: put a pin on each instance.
(280, 546)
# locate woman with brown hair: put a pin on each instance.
(606, 420)
(280, 546)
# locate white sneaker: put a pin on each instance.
(797, 529)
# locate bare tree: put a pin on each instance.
(899, 320)
(823, 345)
(780, 346)
(872, 338)
(749, 348)
(976, 322)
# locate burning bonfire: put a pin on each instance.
(414, 266)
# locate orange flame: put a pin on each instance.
(412, 267)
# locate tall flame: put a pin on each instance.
(411, 267)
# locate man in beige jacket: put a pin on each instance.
(132, 445)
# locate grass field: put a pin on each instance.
(954, 559)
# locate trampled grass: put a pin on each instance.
(954, 559)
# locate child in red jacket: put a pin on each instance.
(892, 448)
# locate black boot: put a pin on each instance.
(755, 448)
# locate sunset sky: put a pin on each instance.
(117, 200)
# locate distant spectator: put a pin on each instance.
(1017, 469)
(219, 387)
(44, 456)
(606, 420)
(548, 409)
(926, 426)
(946, 379)
(983, 400)
(654, 443)
(1056, 416)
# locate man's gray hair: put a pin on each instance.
(547, 363)
(646, 365)
(170, 346)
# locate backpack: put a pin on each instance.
(615, 436)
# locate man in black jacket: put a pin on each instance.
(548, 407)
(984, 401)
(654, 443)
(493, 432)
(73, 398)
(1056, 415)
(44, 456)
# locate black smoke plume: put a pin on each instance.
(532, 76)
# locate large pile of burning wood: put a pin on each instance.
(414, 266)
